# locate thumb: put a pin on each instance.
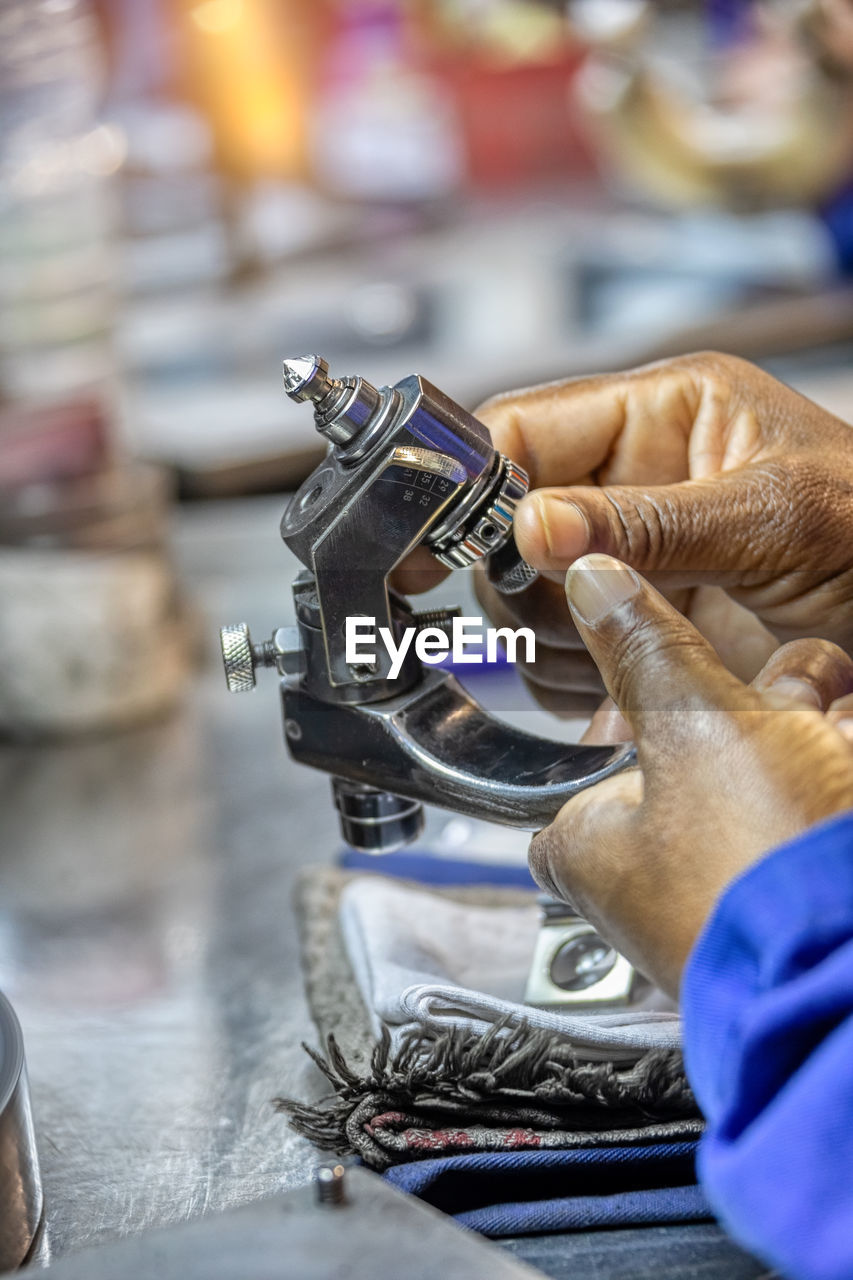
(710, 530)
(650, 657)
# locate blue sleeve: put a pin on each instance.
(767, 1001)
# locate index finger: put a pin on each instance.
(562, 433)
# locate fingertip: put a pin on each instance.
(530, 532)
(539, 858)
(812, 672)
(592, 828)
(792, 689)
(597, 584)
(551, 531)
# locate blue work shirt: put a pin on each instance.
(767, 1000)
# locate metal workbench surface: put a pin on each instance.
(146, 935)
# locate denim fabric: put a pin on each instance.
(580, 1213)
(511, 1193)
(686, 1249)
(426, 868)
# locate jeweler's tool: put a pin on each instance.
(407, 467)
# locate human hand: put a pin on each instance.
(702, 472)
(726, 771)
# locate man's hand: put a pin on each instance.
(727, 771)
(696, 471)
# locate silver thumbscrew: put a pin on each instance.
(241, 657)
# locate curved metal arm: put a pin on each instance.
(437, 744)
(408, 467)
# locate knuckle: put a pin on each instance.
(634, 528)
(715, 365)
(635, 534)
(841, 708)
(802, 505)
(652, 525)
(800, 491)
(648, 530)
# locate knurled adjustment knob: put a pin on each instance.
(238, 657)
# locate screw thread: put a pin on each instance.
(264, 654)
(440, 619)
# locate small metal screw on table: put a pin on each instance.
(330, 1184)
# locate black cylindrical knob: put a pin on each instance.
(375, 821)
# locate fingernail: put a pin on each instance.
(596, 584)
(797, 690)
(564, 526)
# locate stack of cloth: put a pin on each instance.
(512, 1118)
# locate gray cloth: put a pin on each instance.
(332, 992)
(453, 1089)
(330, 987)
(421, 960)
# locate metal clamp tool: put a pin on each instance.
(406, 467)
(409, 467)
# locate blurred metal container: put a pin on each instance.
(93, 630)
(57, 206)
(20, 1183)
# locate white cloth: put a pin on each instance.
(420, 959)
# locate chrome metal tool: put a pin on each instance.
(21, 1200)
(406, 467)
(572, 965)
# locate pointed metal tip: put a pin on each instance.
(298, 370)
(305, 377)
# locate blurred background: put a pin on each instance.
(491, 192)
